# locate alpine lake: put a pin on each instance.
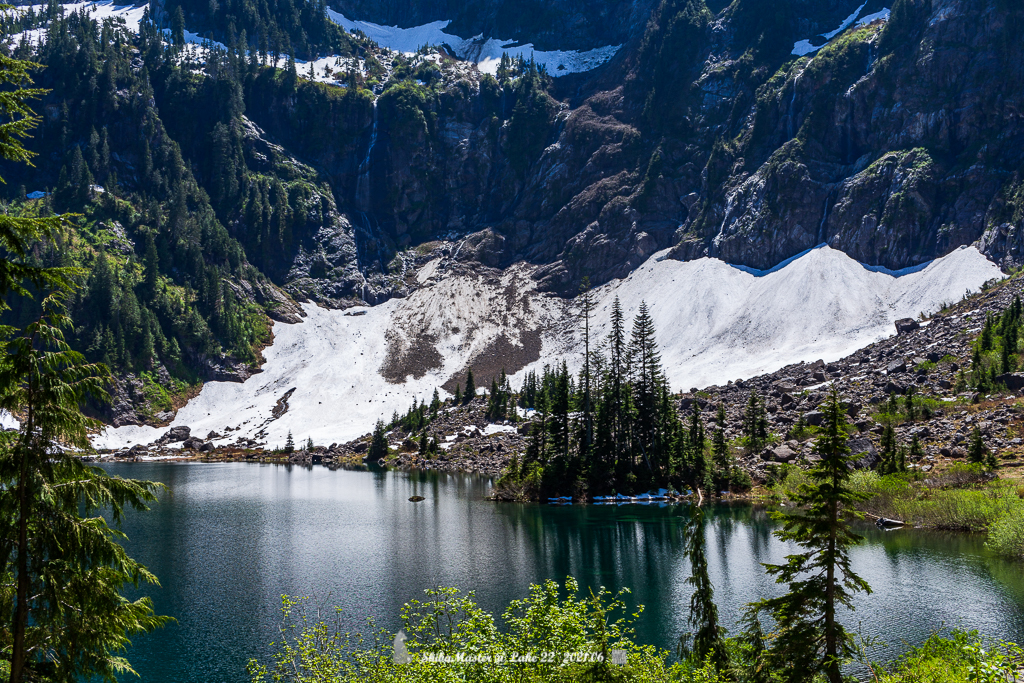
(227, 540)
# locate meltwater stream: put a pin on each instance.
(227, 540)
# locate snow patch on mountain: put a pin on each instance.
(131, 14)
(484, 52)
(806, 47)
(715, 323)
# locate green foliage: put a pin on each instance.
(957, 500)
(962, 656)
(1006, 533)
(808, 637)
(530, 123)
(62, 568)
(674, 37)
(544, 637)
(755, 423)
(269, 29)
(976, 449)
(378, 443)
(160, 271)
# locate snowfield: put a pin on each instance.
(715, 323)
(484, 52)
(805, 47)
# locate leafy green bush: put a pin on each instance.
(448, 637)
(963, 656)
(1006, 534)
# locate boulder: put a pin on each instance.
(178, 433)
(814, 417)
(782, 453)
(192, 443)
(687, 401)
(905, 325)
(896, 366)
(206, 447)
(786, 400)
(1014, 381)
(868, 455)
(894, 388)
(786, 384)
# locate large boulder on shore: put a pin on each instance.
(177, 433)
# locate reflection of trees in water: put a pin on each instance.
(761, 527)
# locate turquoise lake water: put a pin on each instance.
(227, 540)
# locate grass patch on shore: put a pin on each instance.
(964, 498)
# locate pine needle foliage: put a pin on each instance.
(809, 639)
(62, 566)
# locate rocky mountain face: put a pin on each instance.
(896, 141)
(750, 131)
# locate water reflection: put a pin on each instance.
(227, 540)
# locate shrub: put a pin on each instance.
(963, 656)
(544, 635)
(1006, 535)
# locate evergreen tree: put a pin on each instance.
(755, 423)
(470, 393)
(64, 616)
(809, 640)
(976, 449)
(908, 403)
(178, 27)
(916, 453)
(701, 476)
(887, 450)
(435, 403)
(645, 362)
(978, 376)
(289, 444)
(458, 395)
(616, 395)
(708, 634)
(378, 443)
(559, 407)
(586, 309)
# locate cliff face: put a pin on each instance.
(750, 130)
(897, 140)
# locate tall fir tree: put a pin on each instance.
(809, 639)
(470, 392)
(645, 363)
(755, 423)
